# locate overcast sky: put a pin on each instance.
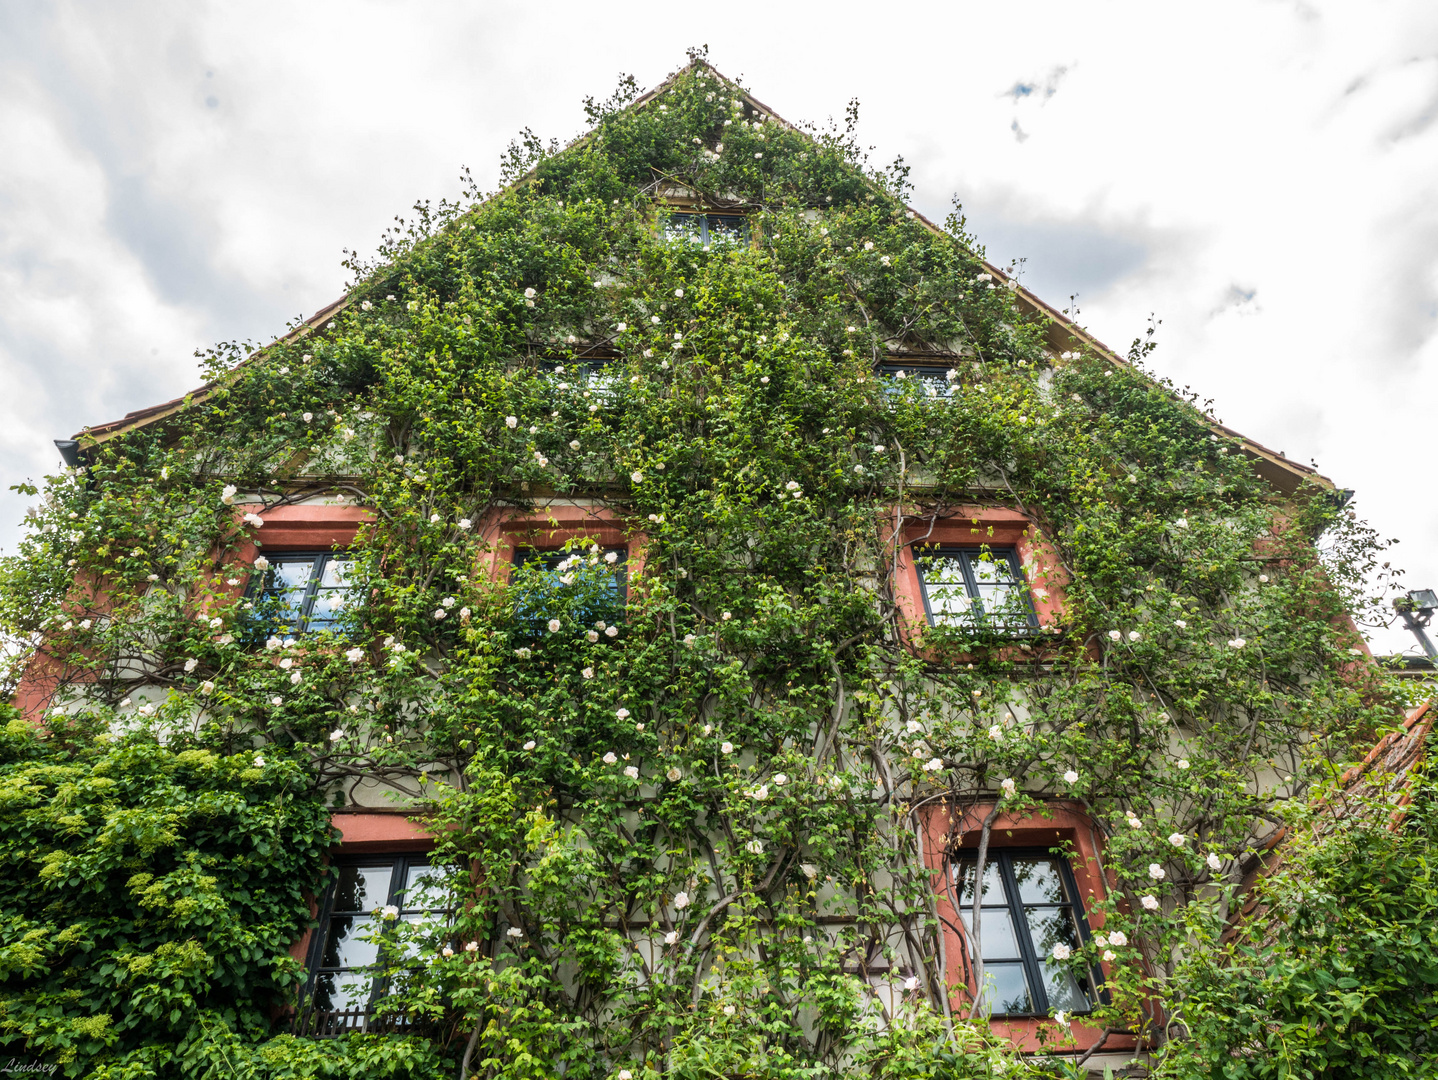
(1261, 176)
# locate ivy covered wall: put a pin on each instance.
(700, 845)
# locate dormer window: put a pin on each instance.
(707, 229)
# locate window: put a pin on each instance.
(982, 587)
(587, 585)
(590, 373)
(342, 982)
(301, 592)
(1030, 904)
(707, 229)
(933, 379)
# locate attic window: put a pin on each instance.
(707, 229)
(933, 378)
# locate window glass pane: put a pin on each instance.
(344, 945)
(290, 575)
(993, 882)
(337, 574)
(1006, 990)
(424, 889)
(328, 607)
(339, 990)
(1040, 881)
(996, 933)
(1049, 927)
(1064, 991)
(362, 888)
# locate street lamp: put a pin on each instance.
(1416, 609)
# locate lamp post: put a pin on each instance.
(1416, 609)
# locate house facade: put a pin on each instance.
(720, 624)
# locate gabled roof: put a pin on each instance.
(1063, 333)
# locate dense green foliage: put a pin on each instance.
(150, 893)
(697, 837)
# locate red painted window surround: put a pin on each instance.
(503, 530)
(972, 527)
(368, 832)
(1062, 823)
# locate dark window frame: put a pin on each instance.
(931, 375)
(257, 592)
(1033, 964)
(400, 863)
(740, 236)
(966, 553)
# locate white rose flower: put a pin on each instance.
(514, 932)
(1236, 643)
(355, 655)
(296, 678)
(1062, 952)
(632, 772)
(1118, 939)
(611, 631)
(689, 640)
(933, 765)
(1180, 624)
(681, 901)
(262, 564)
(337, 734)
(588, 672)
(530, 745)
(227, 496)
(623, 714)
(672, 937)
(1109, 956)
(754, 847)
(207, 687)
(1150, 902)
(1214, 861)
(1071, 777)
(259, 762)
(190, 664)
(674, 775)
(553, 625)
(1133, 635)
(996, 732)
(1010, 788)
(277, 701)
(1115, 635)
(726, 748)
(1156, 872)
(254, 519)
(1177, 839)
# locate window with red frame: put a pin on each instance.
(1030, 905)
